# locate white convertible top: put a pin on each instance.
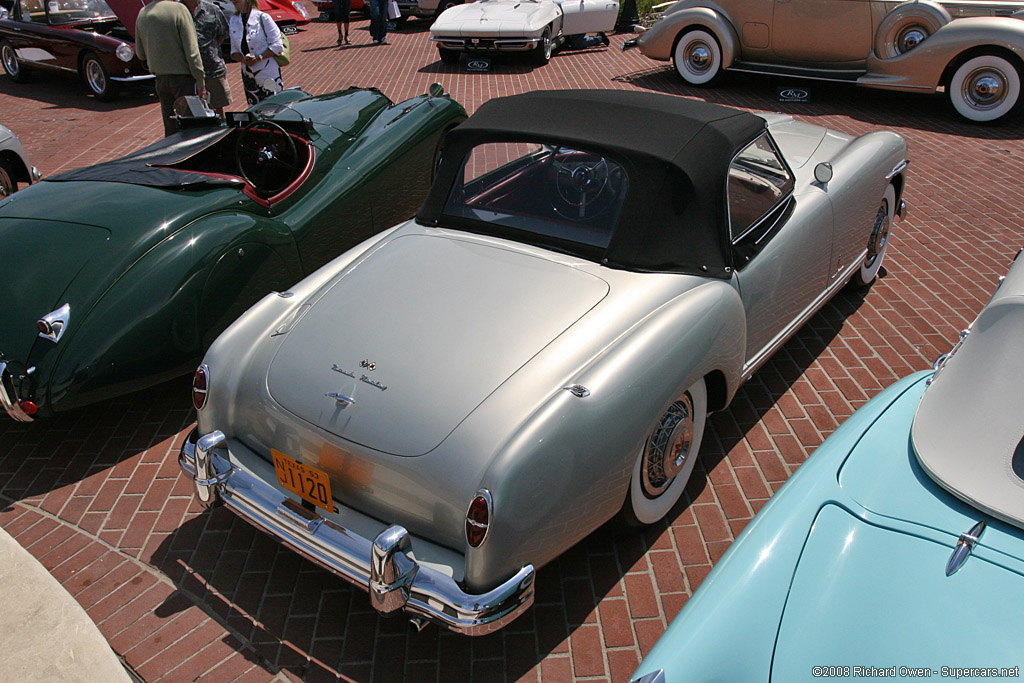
(969, 429)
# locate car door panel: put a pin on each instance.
(588, 16)
(786, 277)
(808, 31)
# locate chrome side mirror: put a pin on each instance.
(823, 172)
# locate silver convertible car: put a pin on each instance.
(461, 398)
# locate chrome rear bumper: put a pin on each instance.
(9, 395)
(383, 567)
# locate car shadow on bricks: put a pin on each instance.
(76, 464)
(305, 620)
(753, 445)
(890, 109)
(65, 91)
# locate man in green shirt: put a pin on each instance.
(165, 38)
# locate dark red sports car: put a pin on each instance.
(83, 37)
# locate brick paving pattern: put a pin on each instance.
(183, 595)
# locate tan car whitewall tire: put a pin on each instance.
(984, 88)
(697, 57)
(667, 457)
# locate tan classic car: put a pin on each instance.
(974, 51)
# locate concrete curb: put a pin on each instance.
(47, 636)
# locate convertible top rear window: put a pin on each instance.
(541, 193)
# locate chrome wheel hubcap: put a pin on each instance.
(9, 59)
(668, 447)
(94, 74)
(910, 38)
(984, 88)
(698, 58)
(879, 234)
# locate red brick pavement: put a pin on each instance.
(96, 495)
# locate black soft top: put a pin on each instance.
(677, 152)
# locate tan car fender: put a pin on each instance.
(930, 64)
(660, 40)
(907, 25)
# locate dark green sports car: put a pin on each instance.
(119, 275)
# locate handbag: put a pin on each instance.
(393, 11)
(285, 58)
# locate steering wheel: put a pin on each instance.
(580, 179)
(266, 157)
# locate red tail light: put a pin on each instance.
(478, 518)
(200, 385)
(29, 407)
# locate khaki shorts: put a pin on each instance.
(218, 92)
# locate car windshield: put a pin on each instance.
(540, 193)
(65, 11)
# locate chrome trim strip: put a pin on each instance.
(963, 548)
(132, 79)
(495, 44)
(57, 322)
(47, 65)
(764, 354)
(897, 169)
(384, 567)
(652, 677)
(9, 395)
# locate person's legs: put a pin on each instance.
(219, 94)
(163, 93)
(168, 89)
(383, 9)
(376, 18)
(341, 20)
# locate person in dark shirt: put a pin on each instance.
(211, 32)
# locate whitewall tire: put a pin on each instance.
(697, 57)
(984, 88)
(666, 459)
(878, 239)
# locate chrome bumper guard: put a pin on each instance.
(395, 581)
(9, 395)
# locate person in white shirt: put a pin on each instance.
(255, 39)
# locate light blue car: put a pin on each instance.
(896, 551)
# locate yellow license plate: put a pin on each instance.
(305, 481)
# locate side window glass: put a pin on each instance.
(758, 182)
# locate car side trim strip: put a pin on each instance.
(132, 79)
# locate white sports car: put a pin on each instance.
(534, 26)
